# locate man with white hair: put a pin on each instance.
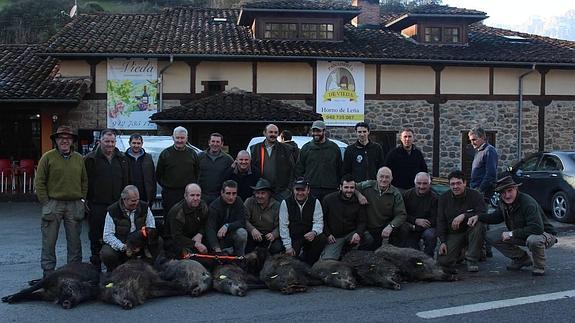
(177, 167)
(421, 207)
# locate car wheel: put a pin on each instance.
(560, 208)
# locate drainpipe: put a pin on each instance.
(161, 81)
(520, 111)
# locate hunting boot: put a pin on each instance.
(538, 261)
(518, 263)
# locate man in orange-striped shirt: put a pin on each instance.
(275, 162)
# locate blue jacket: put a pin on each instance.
(484, 168)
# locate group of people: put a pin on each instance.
(309, 202)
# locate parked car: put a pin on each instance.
(300, 141)
(154, 146)
(549, 177)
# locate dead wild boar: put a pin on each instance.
(414, 265)
(373, 270)
(68, 286)
(135, 281)
(194, 278)
(286, 274)
(144, 244)
(230, 279)
(334, 273)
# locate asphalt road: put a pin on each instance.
(486, 296)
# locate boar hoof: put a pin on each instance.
(127, 305)
(66, 304)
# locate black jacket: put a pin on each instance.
(106, 180)
(144, 165)
(405, 166)
(340, 216)
(284, 168)
(220, 213)
(361, 161)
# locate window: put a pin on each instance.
(451, 35)
(432, 35)
(280, 31)
(317, 31)
(213, 87)
(550, 163)
(529, 164)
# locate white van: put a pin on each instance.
(153, 145)
(300, 141)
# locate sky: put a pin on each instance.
(514, 12)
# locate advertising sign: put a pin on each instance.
(132, 88)
(340, 92)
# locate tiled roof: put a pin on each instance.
(300, 5)
(192, 33)
(24, 76)
(434, 9)
(237, 105)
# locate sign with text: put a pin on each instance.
(132, 88)
(340, 92)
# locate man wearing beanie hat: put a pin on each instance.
(61, 186)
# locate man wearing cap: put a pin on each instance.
(301, 223)
(275, 162)
(61, 186)
(454, 208)
(262, 219)
(344, 219)
(244, 173)
(108, 174)
(320, 162)
(526, 225)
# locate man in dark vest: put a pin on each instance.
(124, 217)
(301, 224)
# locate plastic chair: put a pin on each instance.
(7, 176)
(27, 171)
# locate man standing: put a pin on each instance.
(262, 219)
(363, 158)
(526, 225)
(320, 162)
(455, 207)
(301, 224)
(344, 219)
(177, 167)
(275, 162)
(108, 174)
(213, 163)
(286, 138)
(385, 209)
(421, 206)
(227, 221)
(484, 166)
(405, 161)
(186, 222)
(61, 186)
(124, 217)
(243, 173)
(142, 168)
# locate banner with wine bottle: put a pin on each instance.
(132, 88)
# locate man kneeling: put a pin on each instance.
(526, 226)
(124, 217)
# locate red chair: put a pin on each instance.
(27, 172)
(7, 176)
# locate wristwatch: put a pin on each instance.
(392, 226)
(511, 234)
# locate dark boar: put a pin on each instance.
(373, 270)
(334, 273)
(285, 274)
(68, 286)
(135, 281)
(144, 244)
(194, 278)
(230, 279)
(414, 265)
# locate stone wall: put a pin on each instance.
(560, 126)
